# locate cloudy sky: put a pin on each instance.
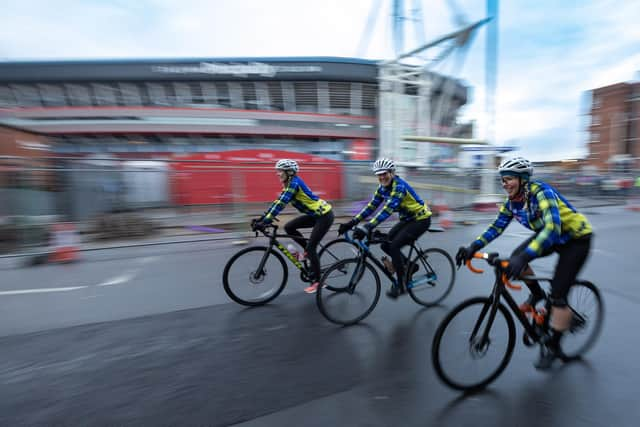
(550, 52)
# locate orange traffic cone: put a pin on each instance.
(65, 242)
(446, 218)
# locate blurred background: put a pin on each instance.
(123, 144)
(139, 138)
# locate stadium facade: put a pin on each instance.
(321, 105)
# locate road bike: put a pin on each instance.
(351, 287)
(474, 342)
(258, 274)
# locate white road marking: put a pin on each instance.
(118, 280)
(41, 290)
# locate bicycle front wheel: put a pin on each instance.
(246, 285)
(336, 250)
(434, 276)
(585, 302)
(470, 349)
(351, 291)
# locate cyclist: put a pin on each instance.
(415, 218)
(317, 213)
(558, 228)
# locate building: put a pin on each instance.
(320, 106)
(614, 130)
(187, 110)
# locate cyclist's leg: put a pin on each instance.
(406, 235)
(534, 286)
(393, 232)
(302, 221)
(572, 257)
(387, 248)
(320, 228)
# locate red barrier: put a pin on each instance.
(247, 176)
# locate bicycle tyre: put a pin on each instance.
(422, 294)
(445, 374)
(589, 313)
(334, 251)
(230, 284)
(324, 295)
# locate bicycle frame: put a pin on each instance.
(500, 291)
(273, 241)
(365, 254)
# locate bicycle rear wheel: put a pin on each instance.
(434, 277)
(334, 251)
(585, 301)
(246, 285)
(351, 293)
(461, 357)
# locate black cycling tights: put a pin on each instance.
(402, 234)
(320, 226)
(572, 256)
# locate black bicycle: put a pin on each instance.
(481, 332)
(352, 286)
(256, 275)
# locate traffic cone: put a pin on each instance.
(446, 218)
(444, 214)
(65, 243)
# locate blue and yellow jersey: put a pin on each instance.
(549, 214)
(301, 197)
(398, 197)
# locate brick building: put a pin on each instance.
(614, 130)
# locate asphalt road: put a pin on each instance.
(146, 336)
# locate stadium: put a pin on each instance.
(176, 114)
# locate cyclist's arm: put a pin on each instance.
(497, 226)
(371, 206)
(395, 198)
(279, 204)
(552, 230)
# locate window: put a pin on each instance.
(595, 120)
(597, 101)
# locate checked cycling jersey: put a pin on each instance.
(548, 213)
(401, 198)
(300, 197)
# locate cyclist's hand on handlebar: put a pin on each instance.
(360, 232)
(466, 253)
(257, 224)
(517, 264)
(343, 228)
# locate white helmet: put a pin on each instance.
(518, 166)
(287, 165)
(383, 165)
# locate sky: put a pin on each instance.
(550, 53)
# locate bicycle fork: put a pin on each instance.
(260, 273)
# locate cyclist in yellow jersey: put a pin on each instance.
(398, 196)
(558, 227)
(317, 213)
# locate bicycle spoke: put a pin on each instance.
(585, 302)
(247, 284)
(433, 278)
(469, 349)
(348, 298)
